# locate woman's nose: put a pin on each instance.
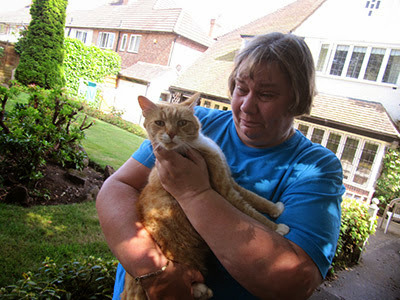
(249, 104)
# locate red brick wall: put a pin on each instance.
(8, 62)
(154, 47)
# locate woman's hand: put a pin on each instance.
(183, 177)
(174, 283)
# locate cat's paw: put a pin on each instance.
(279, 207)
(282, 229)
(201, 291)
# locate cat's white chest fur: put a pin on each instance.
(203, 142)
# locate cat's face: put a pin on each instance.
(171, 126)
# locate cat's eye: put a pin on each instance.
(182, 123)
(160, 123)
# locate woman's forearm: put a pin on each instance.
(125, 235)
(262, 261)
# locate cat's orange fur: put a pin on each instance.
(161, 214)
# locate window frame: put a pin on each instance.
(109, 42)
(343, 138)
(328, 54)
(124, 41)
(134, 43)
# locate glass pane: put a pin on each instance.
(365, 164)
(348, 154)
(356, 62)
(333, 142)
(374, 64)
(393, 67)
(322, 57)
(303, 129)
(317, 136)
(339, 59)
(137, 42)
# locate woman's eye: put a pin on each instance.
(182, 123)
(160, 123)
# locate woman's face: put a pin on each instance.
(261, 106)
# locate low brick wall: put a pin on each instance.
(8, 62)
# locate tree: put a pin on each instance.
(42, 48)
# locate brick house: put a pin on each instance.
(356, 129)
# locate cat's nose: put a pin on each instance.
(171, 135)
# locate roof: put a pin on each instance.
(141, 15)
(209, 74)
(217, 61)
(18, 17)
(363, 115)
(147, 72)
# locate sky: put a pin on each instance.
(229, 14)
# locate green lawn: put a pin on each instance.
(62, 232)
(109, 145)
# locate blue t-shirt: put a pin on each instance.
(305, 176)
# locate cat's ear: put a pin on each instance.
(146, 105)
(192, 101)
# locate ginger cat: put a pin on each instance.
(174, 127)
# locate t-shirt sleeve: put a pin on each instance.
(144, 154)
(313, 206)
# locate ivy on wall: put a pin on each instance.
(87, 62)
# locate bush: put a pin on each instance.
(92, 278)
(356, 227)
(42, 130)
(388, 184)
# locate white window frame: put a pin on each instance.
(124, 40)
(362, 140)
(83, 34)
(327, 64)
(109, 40)
(134, 43)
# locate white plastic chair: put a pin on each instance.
(392, 211)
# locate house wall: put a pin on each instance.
(8, 62)
(361, 24)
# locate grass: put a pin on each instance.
(62, 232)
(109, 145)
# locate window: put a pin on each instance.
(317, 135)
(339, 60)
(364, 167)
(349, 152)
(106, 40)
(134, 42)
(303, 129)
(322, 57)
(356, 62)
(333, 142)
(374, 64)
(81, 35)
(363, 63)
(393, 67)
(123, 42)
(216, 106)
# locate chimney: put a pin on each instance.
(212, 25)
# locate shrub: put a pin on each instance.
(44, 129)
(356, 227)
(91, 278)
(388, 184)
(42, 53)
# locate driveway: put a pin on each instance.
(376, 277)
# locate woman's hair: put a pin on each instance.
(292, 55)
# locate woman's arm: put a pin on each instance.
(262, 261)
(131, 243)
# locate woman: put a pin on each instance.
(272, 82)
